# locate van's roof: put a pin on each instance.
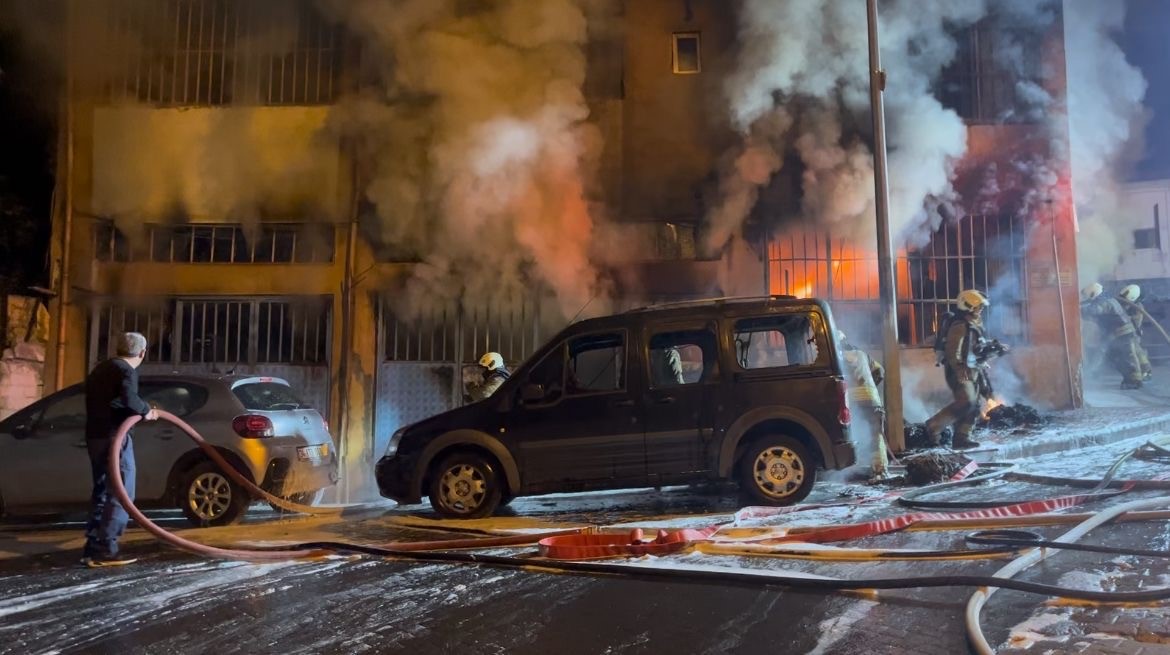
(733, 306)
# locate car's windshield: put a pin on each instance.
(268, 396)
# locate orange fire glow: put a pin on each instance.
(990, 405)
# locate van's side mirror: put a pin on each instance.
(22, 431)
(532, 393)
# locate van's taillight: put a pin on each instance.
(843, 413)
(252, 426)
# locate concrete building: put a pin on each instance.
(148, 237)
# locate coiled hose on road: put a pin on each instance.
(439, 551)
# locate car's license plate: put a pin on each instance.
(313, 453)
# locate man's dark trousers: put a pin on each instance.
(109, 518)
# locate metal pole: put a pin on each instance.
(895, 431)
(67, 229)
(1072, 388)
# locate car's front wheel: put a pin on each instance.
(777, 470)
(208, 496)
(465, 485)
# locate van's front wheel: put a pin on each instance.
(777, 470)
(465, 485)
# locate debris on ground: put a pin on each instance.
(1014, 418)
(917, 436)
(933, 466)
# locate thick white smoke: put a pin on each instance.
(809, 61)
(1105, 94)
(476, 146)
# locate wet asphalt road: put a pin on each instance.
(175, 603)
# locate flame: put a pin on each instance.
(990, 405)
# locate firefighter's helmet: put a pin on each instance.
(491, 361)
(971, 300)
(1131, 292)
(1091, 292)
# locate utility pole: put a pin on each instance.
(895, 430)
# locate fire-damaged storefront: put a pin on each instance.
(259, 188)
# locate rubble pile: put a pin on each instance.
(917, 437)
(1016, 418)
(934, 466)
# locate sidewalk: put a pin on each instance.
(1110, 415)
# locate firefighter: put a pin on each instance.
(667, 366)
(863, 374)
(965, 355)
(1117, 330)
(1130, 299)
(494, 374)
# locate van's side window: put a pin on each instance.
(597, 363)
(777, 341)
(549, 373)
(684, 357)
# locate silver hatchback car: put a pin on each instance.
(257, 423)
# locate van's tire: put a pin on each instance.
(307, 498)
(776, 470)
(465, 485)
(208, 497)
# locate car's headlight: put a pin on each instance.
(392, 447)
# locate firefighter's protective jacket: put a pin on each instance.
(959, 353)
(491, 381)
(1110, 315)
(860, 372)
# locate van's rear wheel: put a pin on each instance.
(777, 470)
(465, 485)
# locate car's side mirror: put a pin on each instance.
(532, 393)
(22, 431)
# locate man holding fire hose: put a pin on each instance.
(965, 353)
(1117, 331)
(111, 397)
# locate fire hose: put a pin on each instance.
(441, 551)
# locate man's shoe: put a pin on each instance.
(1131, 384)
(115, 560)
(961, 443)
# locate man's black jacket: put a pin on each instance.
(111, 396)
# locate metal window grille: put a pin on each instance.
(457, 335)
(979, 251)
(291, 333)
(219, 52)
(154, 324)
(214, 331)
(303, 243)
(982, 83)
(219, 331)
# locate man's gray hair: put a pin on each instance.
(131, 344)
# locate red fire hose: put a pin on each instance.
(299, 551)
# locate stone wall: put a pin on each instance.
(23, 360)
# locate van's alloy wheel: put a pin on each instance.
(465, 485)
(777, 470)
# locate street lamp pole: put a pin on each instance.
(895, 431)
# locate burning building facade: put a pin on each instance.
(365, 196)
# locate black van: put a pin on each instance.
(749, 389)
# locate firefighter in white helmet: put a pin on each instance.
(863, 374)
(1130, 299)
(1118, 334)
(494, 373)
(965, 355)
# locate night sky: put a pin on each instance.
(1147, 44)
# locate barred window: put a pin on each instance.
(301, 243)
(221, 331)
(448, 333)
(994, 75)
(292, 333)
(979, 251)
(220, 52)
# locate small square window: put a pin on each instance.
(687, 60)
